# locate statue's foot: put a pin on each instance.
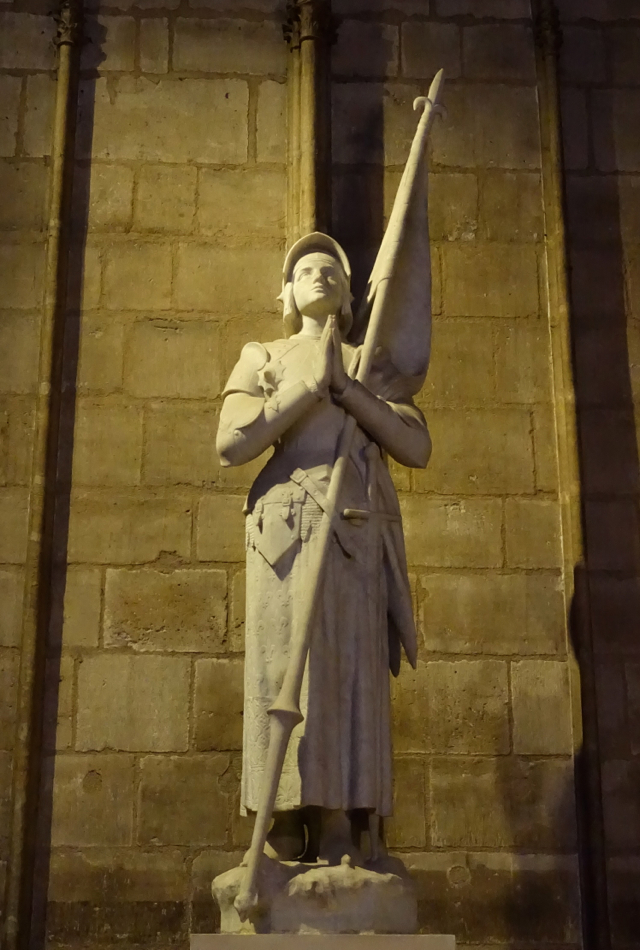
(336, 842)
(286, 839)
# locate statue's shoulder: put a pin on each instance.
(254, 357)
(278, 348)
(244, 375)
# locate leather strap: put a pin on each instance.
(302, 478)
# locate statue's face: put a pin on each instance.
(318, 282)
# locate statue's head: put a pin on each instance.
(316, 278)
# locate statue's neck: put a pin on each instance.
(311, 327)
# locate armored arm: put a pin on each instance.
(250, 424)
(255, 412)
(398, 427)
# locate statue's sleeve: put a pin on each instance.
(244, 379)
(385, 409)
(249, 420)
(244, 375)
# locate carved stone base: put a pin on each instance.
(315, 898)
(324, 942)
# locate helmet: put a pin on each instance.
(316, 241)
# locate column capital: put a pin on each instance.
(309, 20)
(68, 24)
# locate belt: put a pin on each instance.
(300, 477)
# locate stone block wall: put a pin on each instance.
(601, 103)
(179, 227)
(178, 239)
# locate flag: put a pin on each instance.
(402, 269)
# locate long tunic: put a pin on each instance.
(340, 755)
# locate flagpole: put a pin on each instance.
(285, 713)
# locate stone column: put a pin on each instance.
(309, 34)
(576, 578)
(36, 607)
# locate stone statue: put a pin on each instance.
(328, 606)
(293, 394)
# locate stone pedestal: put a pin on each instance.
(300, 898)
(324, 942)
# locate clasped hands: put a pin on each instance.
(329, 373)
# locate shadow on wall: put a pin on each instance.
(80, 171)
(358, 184)
(358, 141)
(599, 207)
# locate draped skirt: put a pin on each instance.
(340, 755)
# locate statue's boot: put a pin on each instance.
(336, 839)
(312, 816)
(286, 839)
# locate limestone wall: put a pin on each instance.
(179, 233)
(181, 160)
(601, 80)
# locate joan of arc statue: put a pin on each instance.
(328, 608)
(293, 394)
